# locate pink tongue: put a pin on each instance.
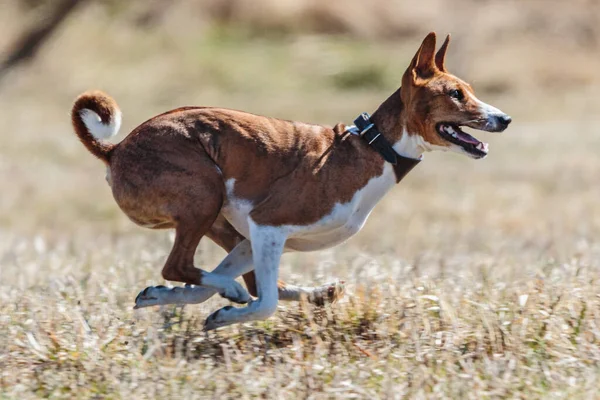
(465, 137)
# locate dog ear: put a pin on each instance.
(422, 66)
(440, 56)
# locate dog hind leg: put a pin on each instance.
(237, 262)
(317, 295)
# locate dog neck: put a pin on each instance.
(368, 131)
(390, 120)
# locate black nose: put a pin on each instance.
(504, 119)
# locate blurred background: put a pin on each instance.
(535, 196)
(506, 247)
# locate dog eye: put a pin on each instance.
(456, 94)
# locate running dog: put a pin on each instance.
(260, 186)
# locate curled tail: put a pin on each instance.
(96, 116)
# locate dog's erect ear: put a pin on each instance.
(422, 66)
(440, 56)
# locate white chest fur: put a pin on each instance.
(344, 221)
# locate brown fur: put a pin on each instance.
(165, 175)
(170, 172)
(422, 100)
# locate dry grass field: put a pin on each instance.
(472, 279)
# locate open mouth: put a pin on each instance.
(453, 134)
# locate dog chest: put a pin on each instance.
(343, 221)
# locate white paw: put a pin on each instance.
(218, 319)
(236, 293)
(329, 293)
(160, 295)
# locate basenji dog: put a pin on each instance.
(260, 186)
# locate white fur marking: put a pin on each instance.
(344, 220)
(96, 127)
(485, 108)
(411, 145)
(236, 210)
(489, 111)
(267, 247)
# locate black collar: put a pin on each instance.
(368, 131)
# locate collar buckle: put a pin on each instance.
(374, 138)
(366, 129)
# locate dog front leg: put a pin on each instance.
(267, 247)
(226, 236)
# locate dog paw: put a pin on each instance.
(329, 293)
(156, 296)
(217, 319)
(235, 293)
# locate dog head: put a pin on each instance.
(437, 105)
